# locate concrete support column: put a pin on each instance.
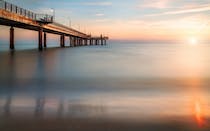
(80, 42)
(45, 40)
(74, 39)
(102, 40)
(40, 38)
(70, 41)
(77, 41)
(91, 41)
(62, 41)
(86, 42)
(12, 46)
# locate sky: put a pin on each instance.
(147, 20)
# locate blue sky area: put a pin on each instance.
(130, 19)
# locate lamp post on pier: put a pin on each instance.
(53, 11)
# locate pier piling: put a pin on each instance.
(40, 38)
(62, 41)
(70, 41)
(45, 40)
(12, 46)
(102, 40)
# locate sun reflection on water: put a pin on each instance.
(199, 115)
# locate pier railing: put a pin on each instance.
(43, 18)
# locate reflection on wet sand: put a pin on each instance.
(199, 114)
(81, 115)
(42, 106)
(7, 106)
(39, 108)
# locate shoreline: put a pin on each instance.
(64, 124)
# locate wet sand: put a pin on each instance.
(76, 124)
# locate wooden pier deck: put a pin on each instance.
(14, 16)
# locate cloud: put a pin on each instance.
(203, 8)
(102, 20)
(99, 14)
(98, 3)
(157, 4)
(43, 11)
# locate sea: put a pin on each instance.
(123, 81)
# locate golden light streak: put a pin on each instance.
(199, 113)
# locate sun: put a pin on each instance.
(193, 41)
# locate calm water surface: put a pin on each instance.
(120, 81)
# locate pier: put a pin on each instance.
(17, 17)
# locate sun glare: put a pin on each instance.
(193, 41)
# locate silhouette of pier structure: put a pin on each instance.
(14, 16)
